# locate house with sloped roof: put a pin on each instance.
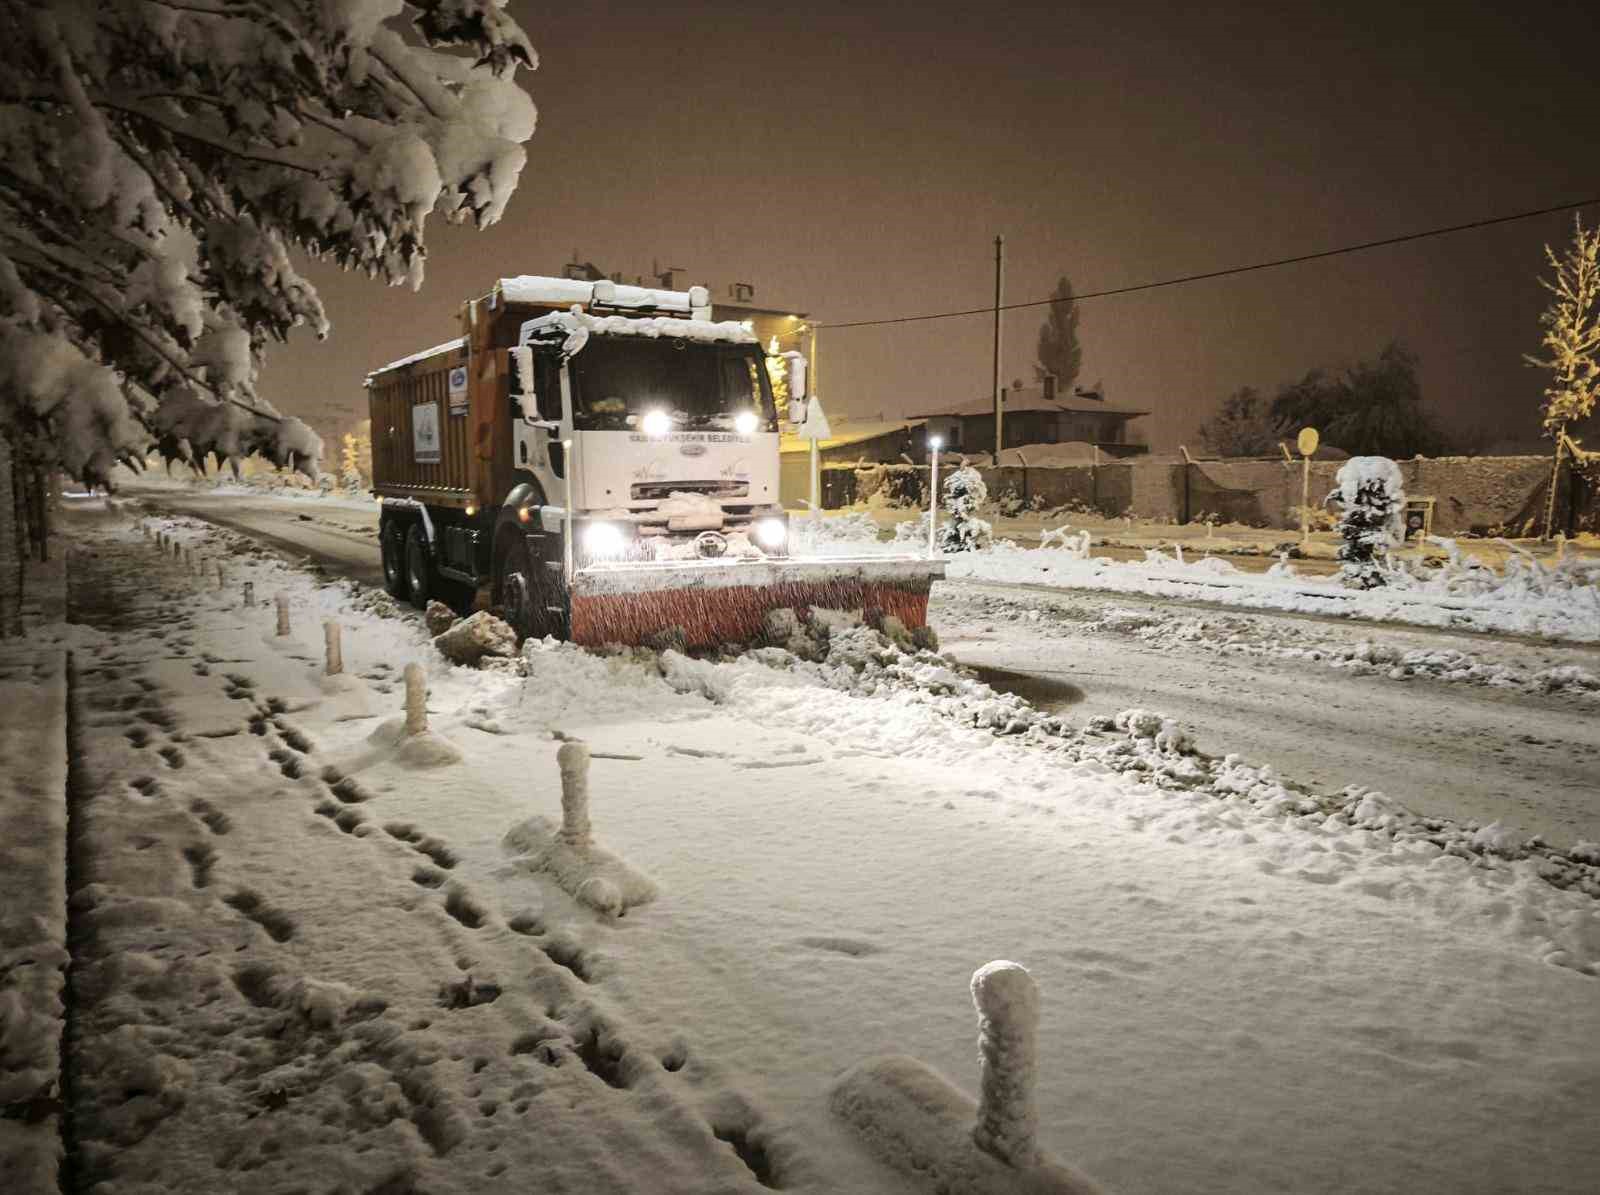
(1036, 415)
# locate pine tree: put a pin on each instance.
(1059, 352)
(160, 162)
(1372, 494)
(962, 530)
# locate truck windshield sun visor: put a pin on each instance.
(702, 387)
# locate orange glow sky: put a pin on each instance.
(856, 160)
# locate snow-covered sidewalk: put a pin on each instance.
(33, 906)
(318, 958)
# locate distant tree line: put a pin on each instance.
(1369, 408)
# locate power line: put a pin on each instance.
(1230, 271)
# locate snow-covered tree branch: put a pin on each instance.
(1572, 331)
(160, 160)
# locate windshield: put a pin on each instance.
(616, 380)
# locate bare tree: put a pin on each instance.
(1572, 344)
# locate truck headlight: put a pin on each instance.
(745, 423)
(771, 533)
(603, 540)
(655, 423)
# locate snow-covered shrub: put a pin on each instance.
(1373, 497)
(962, 530)
(1010, 504)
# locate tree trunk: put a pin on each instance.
(1555, 482)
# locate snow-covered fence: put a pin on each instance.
(283, 613)
(333, 663)
(416, 699)
(573, 760)
(916, 1121)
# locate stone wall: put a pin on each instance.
(1504, 493)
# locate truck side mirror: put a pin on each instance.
(794, 372)
(522, 382)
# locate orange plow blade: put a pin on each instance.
(713, 602)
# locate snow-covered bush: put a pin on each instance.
(962, 530)
(162, 161)
(1373, 497)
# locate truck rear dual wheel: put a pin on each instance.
(420, 579)
(392, 543)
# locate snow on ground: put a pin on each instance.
(316, 957)
(1527, 597)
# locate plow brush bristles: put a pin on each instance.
(714, 602)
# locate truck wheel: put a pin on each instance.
(419, 569)
(392, 542)
(523, 594)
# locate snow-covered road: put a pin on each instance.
(301, 953)
(1243, 680)
(1298, 693)
(315, 955)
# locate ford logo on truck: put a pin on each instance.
(692, 449)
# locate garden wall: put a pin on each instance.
(1495, 494)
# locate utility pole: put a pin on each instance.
(814, 463)
(999, 394)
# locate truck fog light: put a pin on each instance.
(745, 423)
(655, 423)
(602, 540)
(771, 533)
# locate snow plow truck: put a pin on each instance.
(604, 460)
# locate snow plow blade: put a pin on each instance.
(712, 602)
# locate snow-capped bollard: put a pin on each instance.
(283, 614)
(573, 760)
(221, 577)
(249, 594)
(1007, 1000)
(416, 700)
(334, 662)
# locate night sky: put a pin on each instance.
(855, 160)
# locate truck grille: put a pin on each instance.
(654, 490)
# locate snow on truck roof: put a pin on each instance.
(532, 288)
(579, 326)
(447, 346)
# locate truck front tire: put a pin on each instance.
(392, 544)
(523, 592)
(419, 567)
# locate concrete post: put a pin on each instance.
(249, 594)
(416, 700)
(573, 760)
(283, 613)
(335, 659)
(1007, 1000)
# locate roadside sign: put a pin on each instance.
(458, 390)
(1308, 441)
(816, 425)
(425, 442)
